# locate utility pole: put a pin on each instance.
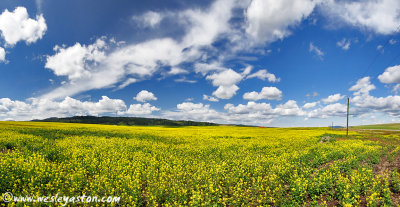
(348, 102)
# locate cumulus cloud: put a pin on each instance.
(333, 98)
(380, 16)
(249, 108)
(195, 112)
(251, 113)
(210, 98)
(89, 69)
(226, 82)
(75, 62)
(362, 87)
(226, 92)
(139, 109)
(268, 93)
(290, 108)
(270, 20)
(391, 75)
(310, 105)
(144, 96)
(344, 44)
(43, 108)
(389, 104)
(263, 74)
(205, 68)
(336, 109)
(17, 26)
(225, 78)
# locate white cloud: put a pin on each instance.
(310, 105)
(226, 82)
(389, 104)
(75, 62)
(247, 70)
(250, 107)
(17, 26)
(226, 92)
(268, 93)
(127, 82)
(336, 109)
(314, 49)
(391, 75)
(139, 109)
(185, 80)
(193, 111)
(263, 74)
(362, 87)
(210, 98)
(144, 96)
(269, 20)
(208, 24)
(43, 108)
(392, 41)
(290, 108)
(225, 78)
(149, 19)
(176, 71)
(344, 44)
(205, 68)
(380, 16)
(2, 55)
(333, 98)
(142, 60)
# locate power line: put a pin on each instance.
(379, 53)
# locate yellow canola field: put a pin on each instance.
(194, 166)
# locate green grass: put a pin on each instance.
(395, 126)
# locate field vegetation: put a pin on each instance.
(201, 166)
(394, 126)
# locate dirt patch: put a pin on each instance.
(395, 199)
(325, 139)
(327, 164)
(382, 166)
(6, 151)
(330, 203)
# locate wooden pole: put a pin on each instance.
(348, 103)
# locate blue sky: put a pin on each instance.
(258, 62)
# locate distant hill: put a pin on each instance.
(393, 126)
(336, 127)
(126, 121)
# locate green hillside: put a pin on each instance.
(126, 121)
(394, 126)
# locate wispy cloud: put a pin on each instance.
(314, 49)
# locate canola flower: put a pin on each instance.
(193, 166)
